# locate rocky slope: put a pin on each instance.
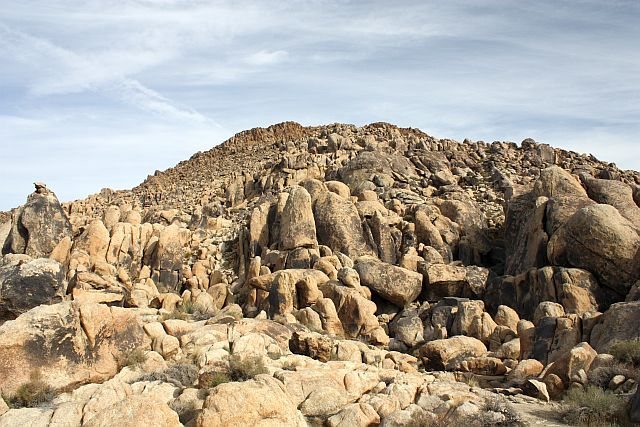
(328, 275)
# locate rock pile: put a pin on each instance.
(327, 275)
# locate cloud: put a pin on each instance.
(265, 57)
(145, 71)
(68, 72)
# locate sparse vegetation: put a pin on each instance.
(470, 379)
(132, 358)
(179, 374)
(627, 352)
(31, 394)
(499, 405)
(186, 310)
(245, 368)
(602, 375)
(593, 406)
(213, 379)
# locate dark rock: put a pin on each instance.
(38, 226)
(25, 284)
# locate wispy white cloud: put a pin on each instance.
(564, 72)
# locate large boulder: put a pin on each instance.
(297, 226)
(615, 325)
(38, 226)
(67, 344)
(94, 240)
(338, 225)
(445, 354)
(614, 193)
(262, 401)
(395, 284)
(565, 195)
(133, 409)
(525, 236)
(577, 290)
(26, 283)
(169, 256)
(598, 239)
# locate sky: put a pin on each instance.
(102, 93)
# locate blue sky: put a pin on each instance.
(101, 93)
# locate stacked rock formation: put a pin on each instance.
(368, 270)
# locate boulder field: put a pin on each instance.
(324, 276)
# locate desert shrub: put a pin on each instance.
(186, 310)
(602, 375)
(132, 358)
(31, 394)
(470, 379)
(213, 379)
(245, 368)
(627, 352)
(422, 419)
(593, 406)
(179, 374)
(499, 404)
(175, 314)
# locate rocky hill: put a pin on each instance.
(329, 275)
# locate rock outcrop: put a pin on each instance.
(331, 275)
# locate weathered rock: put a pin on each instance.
(356, 313)
(506, 316)
(614, 193)
(67, 343)
(565, 195)
(25, 284)
(261, 401)
(38, 226)
(613, 326)
(576, 290)
(571, 362)
(356, 415)
(395, 284)
(535, 388)
(338, 225)
(131, 411)
(525, 236)
(94, 241)
(448, 353)
(598, 239)
(297, 226)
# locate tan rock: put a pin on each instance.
(355, 415)
(446, 353)
(67, 343)
(131, 411)
(506, 316)
(297, 226)
(612, 241)
(263, 402)
(395, 284)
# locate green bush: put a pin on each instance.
(31, 394)
(593, 406)
(627, 352)
(243, 369)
